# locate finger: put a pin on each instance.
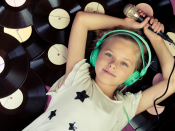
(144, 22)
(141, 12)
(161, 28)
(154, 23)
(146, 28)
(144, 14)
(152, 20)
(157, 26)
(147, 25)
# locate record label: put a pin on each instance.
(57, 54)
(2, 64)
(59, 18)
(152, 110)
(22, 34)
(94, 7)
(146, 8)
(15, 3)
(12, 101)
(170, 46)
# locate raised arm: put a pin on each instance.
(166, 59)
(166, 62)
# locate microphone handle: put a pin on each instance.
(161, 34)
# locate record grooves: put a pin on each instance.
(35, 45)
(48, 75)
(17, 17)
(16, 65)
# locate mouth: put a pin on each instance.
(108, 73)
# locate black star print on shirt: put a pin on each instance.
(52, 114)
(72, 126)
(81, 95)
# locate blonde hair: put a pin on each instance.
(91, 45)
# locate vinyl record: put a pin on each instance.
(15, 63)
(96, 6)
(48, 75)
(33, 97)
(55, 57)
(163, 118)
(31, 41)
(16, 14)
(145, 120)
(168, 126)
(53, 18)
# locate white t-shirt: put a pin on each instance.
(80, 105)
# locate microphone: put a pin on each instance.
(132, 12)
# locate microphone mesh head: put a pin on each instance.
(131, 9)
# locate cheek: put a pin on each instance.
(97, 65)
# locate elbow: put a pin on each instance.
(79, 14)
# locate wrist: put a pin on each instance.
(126, 24)
(120, 22)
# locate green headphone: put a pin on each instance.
(136, 75)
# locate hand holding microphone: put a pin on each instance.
(132, 12)
(156, 27)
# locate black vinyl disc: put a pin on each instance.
(48, 75)
(168, 126)
(33, 104)
(153, 118)
(16, 65)
(13, 16)
(1, 29)
(35, 45)
(145, 120)
(41, 19)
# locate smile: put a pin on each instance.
(109, 73)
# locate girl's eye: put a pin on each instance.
(109, 54)
(125, 64)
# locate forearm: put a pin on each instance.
(166, 59)
(95, 21)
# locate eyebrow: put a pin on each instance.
(122, 57)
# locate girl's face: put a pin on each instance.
(118, 58)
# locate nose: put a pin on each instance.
(112, 65)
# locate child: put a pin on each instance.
(80, 103)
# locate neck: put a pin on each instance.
(106, 89)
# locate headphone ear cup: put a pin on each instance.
(94, 56)
(132, 79)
